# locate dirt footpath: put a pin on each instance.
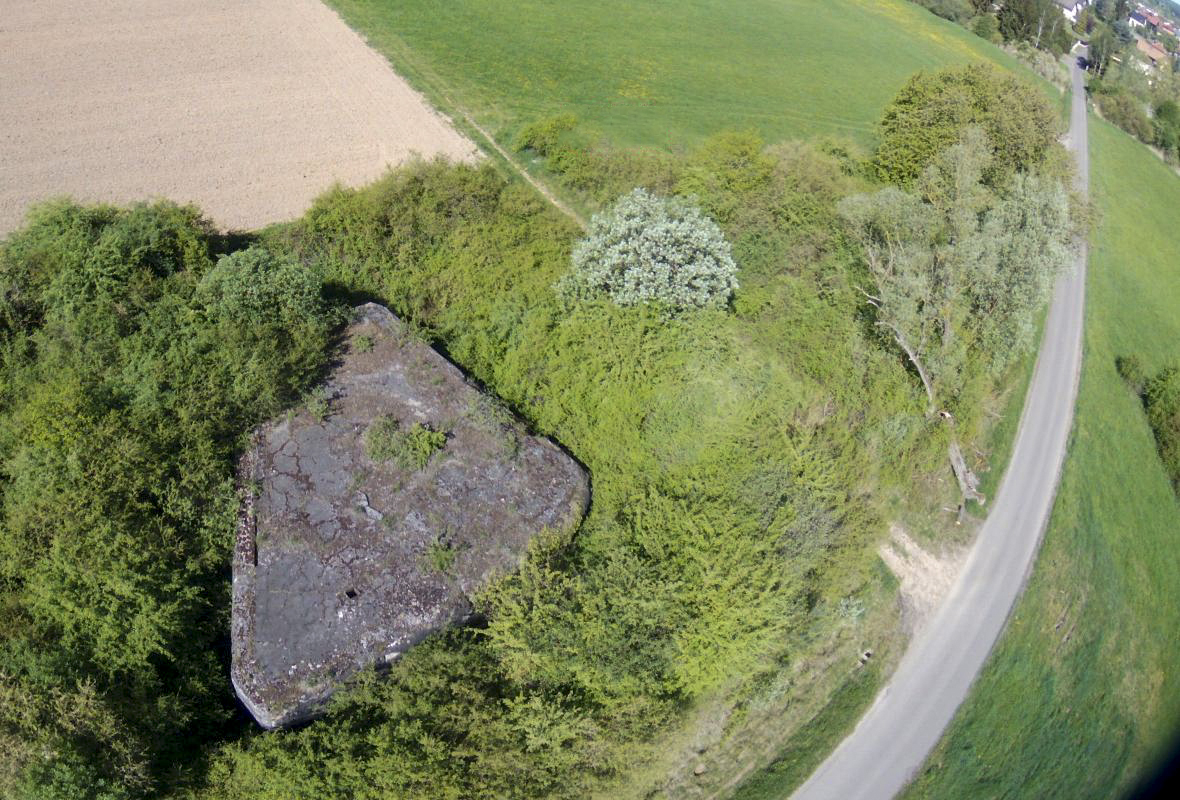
(249, 108)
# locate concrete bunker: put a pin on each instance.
(371, 515)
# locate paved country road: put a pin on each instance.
(910, 714)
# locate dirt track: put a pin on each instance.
(248, 108)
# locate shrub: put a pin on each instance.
(1127, 112)
(412, 449)
(440, 556)
(933, 110)
(1038, 21)
(267, 312)
(985, 26)
(955, 10)
(1130, 369)
(1161, 398)
(319, 404)
(544, 136)
(653, 250)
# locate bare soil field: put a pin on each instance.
(247, 108)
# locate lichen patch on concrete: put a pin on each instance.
(342, 561)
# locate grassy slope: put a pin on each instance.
(665, 71)
(1084, 686)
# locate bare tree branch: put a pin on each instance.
(899, 337)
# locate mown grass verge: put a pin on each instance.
(1083, 690)
(817, 738)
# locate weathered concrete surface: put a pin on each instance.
(342, 562)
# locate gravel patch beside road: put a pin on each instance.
(248, 109)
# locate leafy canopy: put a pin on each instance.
(134, 356)
(956, 266)
(934, 109)
(653, 250)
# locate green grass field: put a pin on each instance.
(662, 72)
(1084, 687)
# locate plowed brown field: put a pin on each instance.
(249, 108)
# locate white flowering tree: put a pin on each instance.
(655, 250)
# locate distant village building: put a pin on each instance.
(1072, 8)
(1144, 18)
(1151, 51)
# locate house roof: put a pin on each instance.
(1151, 50)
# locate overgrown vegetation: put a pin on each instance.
(1161, 401)
(409, 449)
(134, 355)
(727, 455)
(1123, 109)
(1161, 398)
(1148, 111)
(737, 456)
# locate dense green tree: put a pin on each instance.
(132, 363)
(933, 110)
(956, 267)
(986, 27)
(1104, 45)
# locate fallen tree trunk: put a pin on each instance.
(968, 482)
